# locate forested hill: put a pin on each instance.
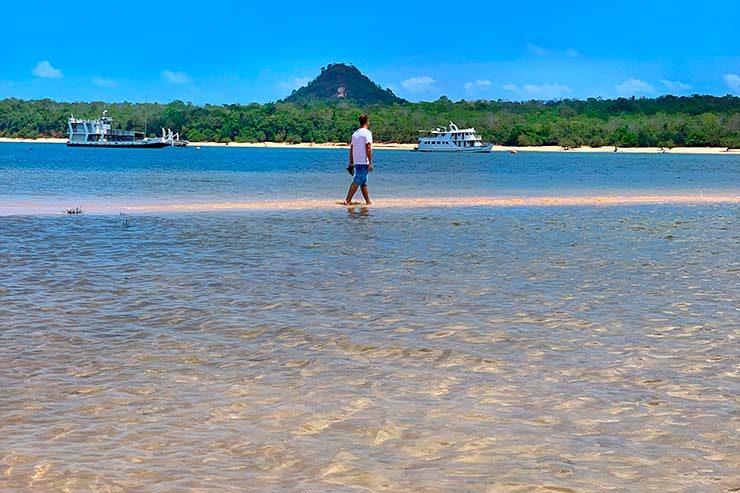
(338, 82)
(666, 121)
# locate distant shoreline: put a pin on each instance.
(409, 147)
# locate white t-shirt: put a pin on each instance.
(361, 137)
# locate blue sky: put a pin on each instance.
(238, 52)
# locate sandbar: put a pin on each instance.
(95, 207)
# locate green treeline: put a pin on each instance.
(667, 121)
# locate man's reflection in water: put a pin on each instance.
(358, 212)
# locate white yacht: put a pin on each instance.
(98, 133)
(440, 139)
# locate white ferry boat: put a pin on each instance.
(98, 133)
(440, 139)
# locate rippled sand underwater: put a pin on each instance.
(428, 350)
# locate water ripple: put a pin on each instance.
(472, 349)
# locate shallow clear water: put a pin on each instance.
(426, 350)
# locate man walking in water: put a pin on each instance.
(360, 160)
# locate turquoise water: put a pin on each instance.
(478, 349)
(55, 175)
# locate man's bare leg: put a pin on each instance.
(365, 194)
(350, 193)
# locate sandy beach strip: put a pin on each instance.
(31, 208)
(449, 202)
(260, 145)
(410, 147)
(44, 140)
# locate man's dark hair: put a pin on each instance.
(363, 120)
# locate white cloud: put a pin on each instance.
(176, 77)
(296, 83)
(537, 50)
(469, 86)
(44, 70)
(539, 91)
(630, 87)
(733, 81)
(572, 53)
(418, 84)
(676, 85)
(103, 82)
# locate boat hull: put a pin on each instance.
(121, 145)
(485, 148)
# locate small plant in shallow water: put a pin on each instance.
(76, 210)
(124, 222)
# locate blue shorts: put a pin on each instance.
(361, 171)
